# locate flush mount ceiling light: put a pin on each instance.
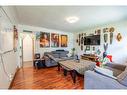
(72, 19)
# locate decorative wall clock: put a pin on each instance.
(119, 37)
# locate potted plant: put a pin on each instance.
(73, 52)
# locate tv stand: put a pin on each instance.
(90, 57)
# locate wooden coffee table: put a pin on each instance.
(75, 67)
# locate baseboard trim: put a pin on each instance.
(17, 69)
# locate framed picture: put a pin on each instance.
(44, 39)
(54, 40)
(15, 38)
(87, 48)
(64, 40)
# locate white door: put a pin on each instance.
(27, 49)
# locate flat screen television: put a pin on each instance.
(92, 40)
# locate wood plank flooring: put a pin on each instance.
(45, 78)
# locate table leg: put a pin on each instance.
(58, 67)
(73, 75)
(65, 72)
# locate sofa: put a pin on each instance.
(51, 58)
(95, 80)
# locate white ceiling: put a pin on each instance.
(53, 17)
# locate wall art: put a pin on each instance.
(84, 34)
(119, 37)
(76, 40)
(98, 32)
(81, 47)
(79, 40)
(64, 40)
(111, 37)
(44, 39)
(82, 40)
(105, 38)
(87, 48)
(105, 46)
(54, 40)
(105, 30)
(93, 48)
(112, 29)
(15, 38)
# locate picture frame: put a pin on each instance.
(54, 40)
(44, 39)
(64, 40)
(87, 48)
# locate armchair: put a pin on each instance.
(116, 68)
(38, 62)
(94, 80)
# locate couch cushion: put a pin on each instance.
(56, 55)
(122, 78)
(63, 55)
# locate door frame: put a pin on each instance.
(33, 47)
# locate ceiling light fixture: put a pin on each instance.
(72, 19)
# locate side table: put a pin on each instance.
(39, 63)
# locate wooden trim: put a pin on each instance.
(22, 52)
(17, 69)
(33, 47)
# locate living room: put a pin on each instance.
(63, 47)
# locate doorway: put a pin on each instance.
(27, 50)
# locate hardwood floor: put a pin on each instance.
(45, 78)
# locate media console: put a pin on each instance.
(90, 57)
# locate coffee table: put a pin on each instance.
(75, 67)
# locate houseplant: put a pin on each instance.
(73, 52)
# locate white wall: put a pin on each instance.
(117, 49)
(10, 59)
(37, 45)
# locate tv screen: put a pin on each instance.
(92, 40)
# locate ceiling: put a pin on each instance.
(53, 17)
